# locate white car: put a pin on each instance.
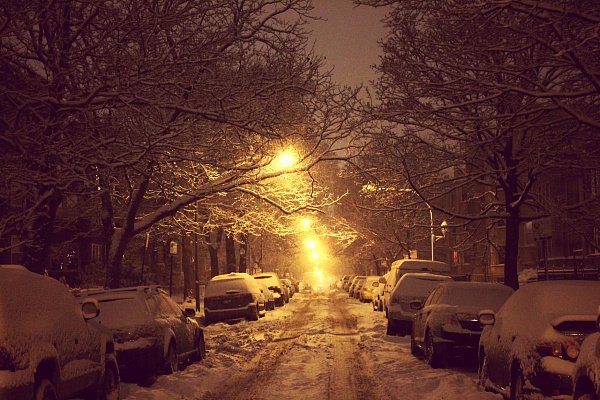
(232, 296)
(531, 344)
(268, 295)
(272, 281)
(51, 347)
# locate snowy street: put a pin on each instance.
(316, 347)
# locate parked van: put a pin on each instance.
(400, 267)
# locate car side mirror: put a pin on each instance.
(487, 317)
(90, 308)
(189, 312)
(415, 305)
(382, 280)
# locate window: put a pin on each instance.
(96, 250)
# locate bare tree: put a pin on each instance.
(479, 88)
(140, 110)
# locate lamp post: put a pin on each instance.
(172, 253)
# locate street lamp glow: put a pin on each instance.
(285, 160)
(311, 244)
(315, 255)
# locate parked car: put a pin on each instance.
(51, 347)
(344, 281)
(290, 287)
(348, 283)
(354, 285)
(400, 267)
(410, 287)
(587, 368)
(366, 291)
(153, 334)
(447, 324)
(271, 279)
(231, 296)
(377, 300)
(268, 295)
(531, 344)
(360, 283)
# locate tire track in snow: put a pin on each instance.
(350, 378)
(249, 384)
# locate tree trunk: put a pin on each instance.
(213, 251)
(511, 273)
(39, 231)
(230, 253)
(187, 266)
(121, 236)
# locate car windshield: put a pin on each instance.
(488, 296)
(418, 287)
(269, 280)
(220, 287)
(122, 312)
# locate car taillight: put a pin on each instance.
(6, 361)
(565, 350)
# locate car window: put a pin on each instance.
(118, 313)
(154, 305)
(221, 287)
(433, 297)
(171, 307)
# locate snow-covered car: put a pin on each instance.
(231, 296)
(271, 279)
(153, 334)
(355, 284)
(366, 292)
(268, 295)
(447, 324)
(51, 347)
(531, 344)
(348, 283)
(377, 300)
(412, 286)
(587, 368)
(290, 286)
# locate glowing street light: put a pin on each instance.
(285, 160)
(311, 244)
(315, 255)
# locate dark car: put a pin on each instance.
(531, 344)
(51, 347)
(587, 368)
(232, 296)
(446, 327)
(153, 334)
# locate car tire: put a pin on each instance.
(433, 357)
(414, 349)
(171, 364)
(517, 384)
(391, 328)
(253, 315)
(108, 387)
(482, 373)
(200, 348)
(45, 390)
